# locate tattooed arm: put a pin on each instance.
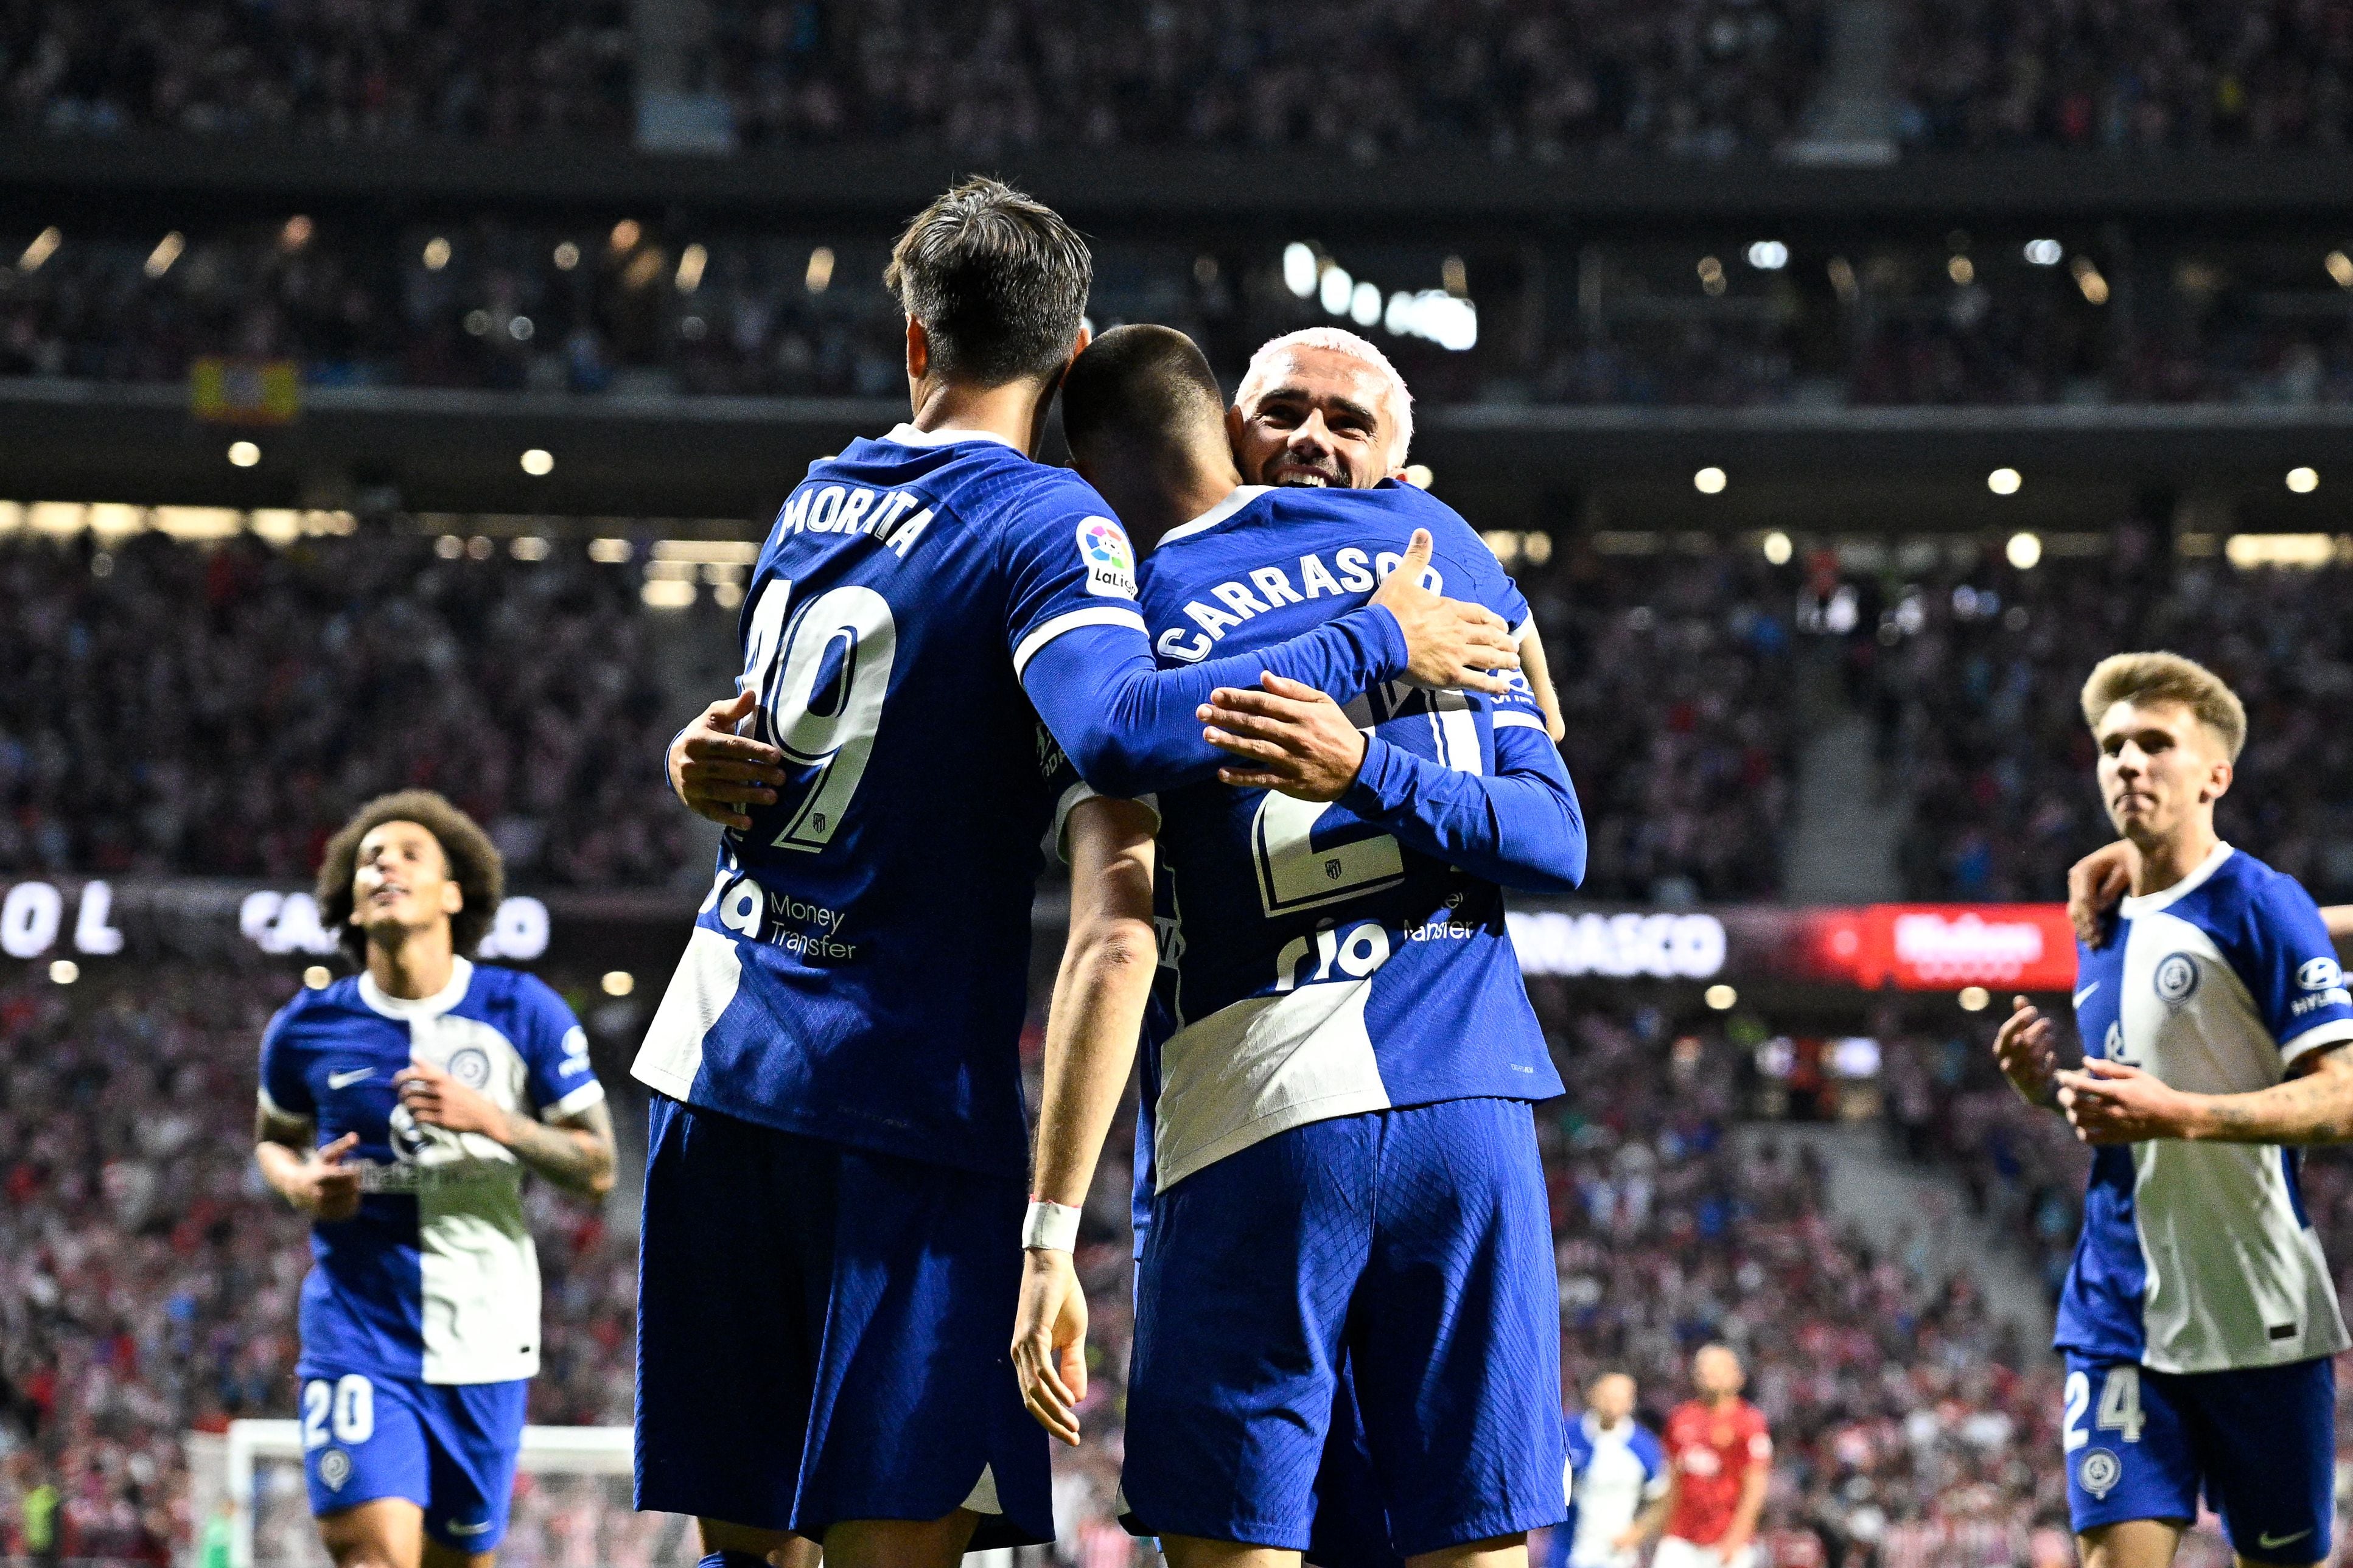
(2110, 1103)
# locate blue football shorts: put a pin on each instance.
(449, 1447)
(824, 1333)
(2261, 1444)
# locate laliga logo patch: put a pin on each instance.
(2098, 1471)
(471, 1067)
(1111, 564)
(334, 1467)
(2177, 977)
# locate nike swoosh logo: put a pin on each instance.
(2269, 1542)
(2086, 991)
(346, 1079)
(483, 1529)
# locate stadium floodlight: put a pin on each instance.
(568, 256)
(2088, 279)
(2045, 252)
(690, 263)
(1365, 304)
(1709, 481)
(2004, 481)
(819, 276)
(521, 328)
(619, 982)
(1419, 476)
(437, 253)
(65, 971)
(1961, 270)
(539, 462)
(1299, 269)
(167, 250)
(2303, 481)
(2024, 550)
(1768, 256)
(1722, 997)
(1974, 998)
(44, 246)
(318, 977)
(1777, 548)
(1338, 289)
(1447, 320)
(243, 454)
(2340, 268)
(625, 234)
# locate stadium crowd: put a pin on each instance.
(220, 711)
(2171, 74)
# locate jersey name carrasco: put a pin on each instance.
(859, 969)
(1313, 965)
(435, 1277)
(2199, 1257)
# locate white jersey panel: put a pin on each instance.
(2235, 1277)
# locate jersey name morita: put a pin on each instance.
(435, 1277)
(1313, 965)
(2199, 1257)
(858, 970)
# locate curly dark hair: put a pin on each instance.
(474, 865)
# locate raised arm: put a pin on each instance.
(1128, 726)
(1100, 994)
(1519, 828)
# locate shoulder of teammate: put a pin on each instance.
(1467, 567)
(1069, 792)
(2274, 939)
(1579, 1443)
(1652, 1453)
(1065, 560)
(548, 1036)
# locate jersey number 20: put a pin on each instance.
(821, 678)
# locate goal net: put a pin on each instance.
(571, 1500)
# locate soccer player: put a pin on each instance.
(400, 1109)
(1618, 1484)
(2198, 1318)
(835, 1192)
(1322, 408)
(1343, 1154)
(1720, 1459)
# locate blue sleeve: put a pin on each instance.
(1129, 727)
(1648, 1449)
(555, 1051)
(1520, 828)
(283, 1086)
(1080, 650)
(2285, 956)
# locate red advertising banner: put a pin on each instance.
(1944, 947)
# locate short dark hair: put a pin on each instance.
(474, 865)
(1143, 381)
(999, 280)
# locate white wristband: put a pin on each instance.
(1054, 1225)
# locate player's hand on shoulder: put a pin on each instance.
(2109, 1102)
(720, 773)
(1049, 1341)
(436, 1100)
(328, 1189)
(1449, 644)
(1287, 737)
(2095, 883)
(2025, 1050)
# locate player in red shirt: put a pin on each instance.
(1719, 1457)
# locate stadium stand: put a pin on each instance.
(1991, 73)
(221, 711)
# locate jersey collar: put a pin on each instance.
(461, 974)
(1236, 498)
(2149, 903)
(903, 435)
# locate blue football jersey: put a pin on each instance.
(2199, 1257)
(1313, 965)
(860, 968)
(1613, 1474)
(435, 1277)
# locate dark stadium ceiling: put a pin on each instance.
(1191, 191)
